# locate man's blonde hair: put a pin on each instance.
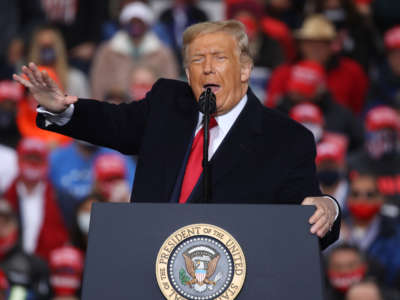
(232, 27)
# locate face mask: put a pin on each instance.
(342, 281)
(65, 284)
(32, 173)
(382, 144)
(363, 210)
(136, 30)
(315, 129)
(8, 242)
(329, 177)
(47, 56)
(84, 222)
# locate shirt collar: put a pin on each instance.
(226, 121)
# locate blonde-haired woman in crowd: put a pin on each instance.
(48, 50)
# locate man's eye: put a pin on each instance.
(195, 60)
(221, 57)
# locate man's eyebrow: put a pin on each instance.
(216, 52)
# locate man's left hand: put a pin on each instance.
(324, 217)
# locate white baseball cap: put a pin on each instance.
(137, 10)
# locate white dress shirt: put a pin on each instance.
(225, 122)
(32, 214)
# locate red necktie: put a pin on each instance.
(194, 164)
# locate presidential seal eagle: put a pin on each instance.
(201, 263)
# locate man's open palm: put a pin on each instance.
(46, 92)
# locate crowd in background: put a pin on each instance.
(332, 65)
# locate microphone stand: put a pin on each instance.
(207, 104)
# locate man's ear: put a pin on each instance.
(245, 71)
(187, 75)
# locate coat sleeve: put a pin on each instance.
(301, 181)
(120, 127)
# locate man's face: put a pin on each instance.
(319, 51)
(364, 189)
(345, 261)
(213, 60)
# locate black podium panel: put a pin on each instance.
(283, 258)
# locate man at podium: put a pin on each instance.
(256, 154)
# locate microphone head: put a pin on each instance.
(207, 102)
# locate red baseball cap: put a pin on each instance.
(66, 265)
(382, 117)
(32, 146)
(392, 38)
(109, 165)
(10, 90)
(306, 78)
(307, 113)
(329, 150)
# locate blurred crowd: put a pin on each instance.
(332, 65)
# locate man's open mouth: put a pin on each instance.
(214, 87)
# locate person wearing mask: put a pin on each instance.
(377, 235)
(385, 88)
(71, 174)
(80, 23)
(307, 83)
(66, 269)
(82, 220)
(48, 50)
(110, 178)
(26, 275)
(345, 266)
(380, 154)
(310, 116)
(346, 79)
(32, 196)
(134, 43)
(142, 79)
(331, 168)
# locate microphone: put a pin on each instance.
(208, 106)
(207, 102)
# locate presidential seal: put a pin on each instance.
(200, 262)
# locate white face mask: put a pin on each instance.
(84, 221)
(315, 129)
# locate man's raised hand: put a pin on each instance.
(46, 92)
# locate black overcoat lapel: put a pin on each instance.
(240, 143)
(182, 126)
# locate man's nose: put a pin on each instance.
(208, 66)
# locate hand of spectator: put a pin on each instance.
(324, 217)
(46, 92)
